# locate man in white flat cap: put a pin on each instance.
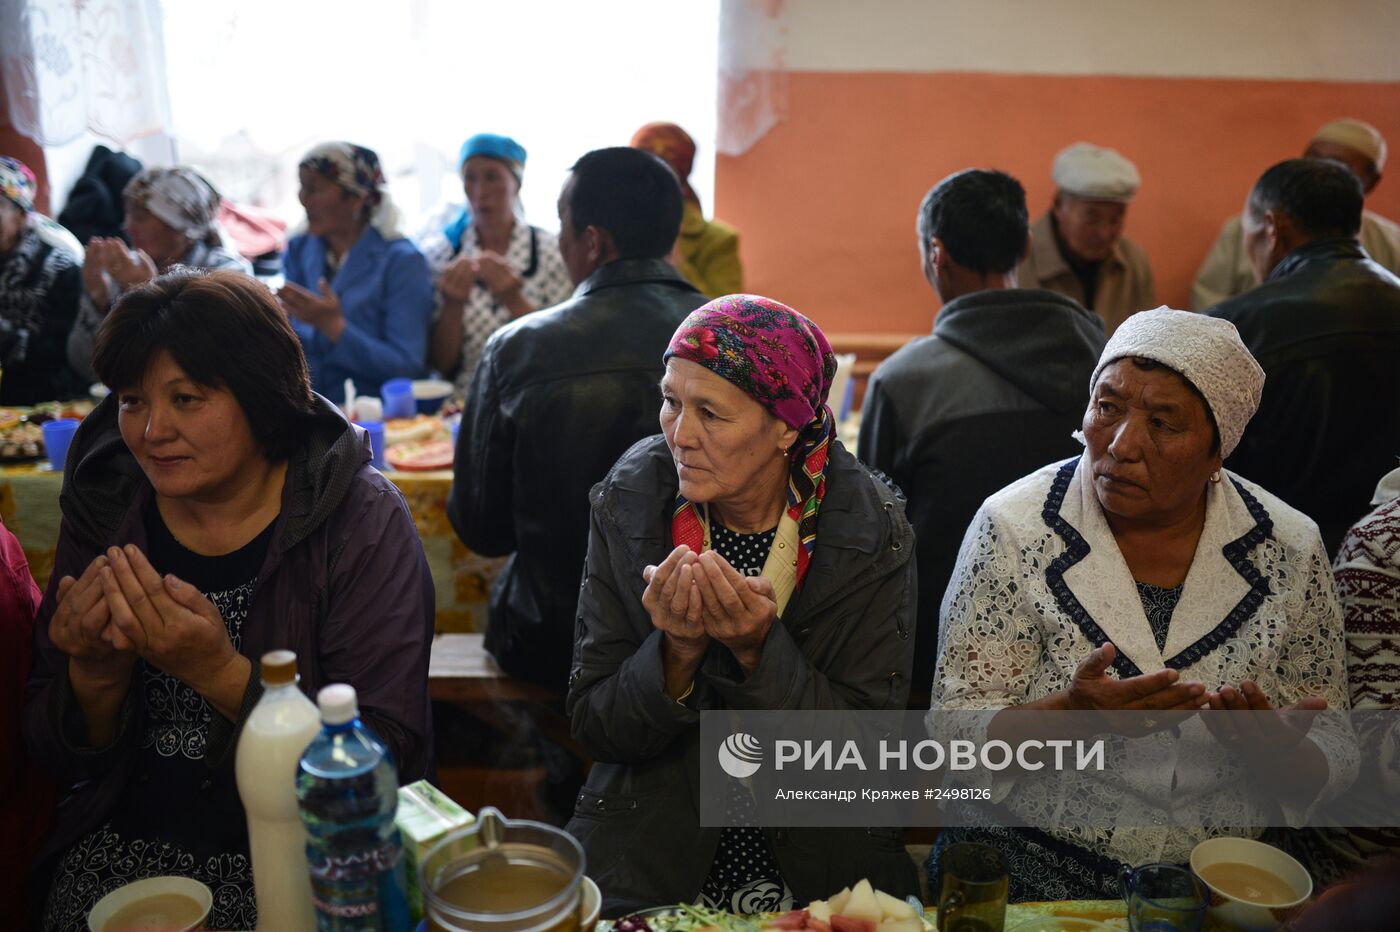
(1362, 149)
(1078, 248)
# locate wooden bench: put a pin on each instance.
(460, 670)
(871, 350)
(462, 673)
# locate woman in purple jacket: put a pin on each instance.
(214, 508)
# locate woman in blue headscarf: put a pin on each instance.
(489, 266)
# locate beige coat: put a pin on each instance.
(1226, 271)
(1125, 284)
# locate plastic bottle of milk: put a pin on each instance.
(278, 730)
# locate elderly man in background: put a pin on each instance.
(993, 394)
(1357, 145)
(1325, 326)
(1078, 247)
(560, 394)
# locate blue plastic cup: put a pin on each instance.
(397, 395)
(58, 436)
(375, 429)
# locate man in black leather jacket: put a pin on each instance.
(560, 394)
(992, 395)
(1325, 326)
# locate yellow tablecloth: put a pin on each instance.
(29, 508)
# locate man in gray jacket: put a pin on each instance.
(993, 394)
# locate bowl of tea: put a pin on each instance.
(502, 875)
(170, 904)
(1254, 887)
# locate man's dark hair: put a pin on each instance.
(630, 193)
(1322, 197)
(226, 331)
(980, 217)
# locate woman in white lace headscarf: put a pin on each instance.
(172, 218)
(1142, 576)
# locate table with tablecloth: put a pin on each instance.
(29, 508)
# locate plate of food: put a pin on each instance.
(21, 439)
(855, 909)
(418, 428)
(420, 455)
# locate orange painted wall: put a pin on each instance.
(826, 201)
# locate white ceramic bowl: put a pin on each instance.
(592, 904)
(1241, 914)
(429, 394)
(109, 905)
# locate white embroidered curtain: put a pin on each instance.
(72, 66)
(752, 72)
(412, 80)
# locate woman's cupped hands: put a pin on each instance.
(120, 610)
(1141, 698)
(698, 598)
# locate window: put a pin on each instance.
(255, 83)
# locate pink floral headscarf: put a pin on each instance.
(784, 362)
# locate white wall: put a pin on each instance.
(1330, 40)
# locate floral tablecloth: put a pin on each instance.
(29, 508)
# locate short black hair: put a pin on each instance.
(980, 217)
(630, 193)
(1321, 196)
(225, 330)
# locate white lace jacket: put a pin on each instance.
(1040, 582)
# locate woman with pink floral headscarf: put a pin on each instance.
(741, 560)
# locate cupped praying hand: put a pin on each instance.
(169, 622)
(126, 268)
(322, 311)
(698, 598)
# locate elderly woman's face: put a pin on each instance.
(193, 442)
(11, 224)
(1149, 440)
(724, 443)
(330, 209)
(157, 239)
(490, 189)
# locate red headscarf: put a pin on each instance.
(672, 145)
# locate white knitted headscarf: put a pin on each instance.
(1206, 351)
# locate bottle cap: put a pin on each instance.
(279, 668)
(338, 703)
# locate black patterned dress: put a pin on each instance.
(177, 815)
(744, 877)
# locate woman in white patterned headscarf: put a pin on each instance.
(172, 218)
(1141, 576)
(358, 293)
